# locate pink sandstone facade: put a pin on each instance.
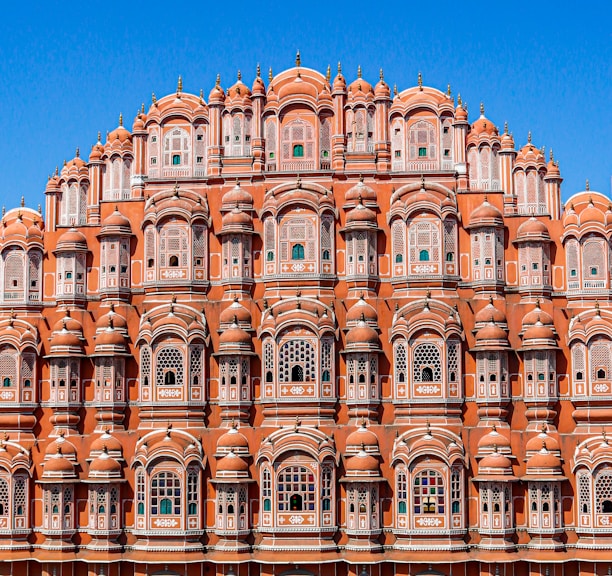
(310, 327)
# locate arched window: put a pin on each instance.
(296, 489)
(603, 491)
(428, 493)
(297, 252)
(176, 148)
(424, 256)
(297, 361)
(298, 150)
(427, 364)
(169, 366)
(165, 494)
(266, 490)
(297, 374)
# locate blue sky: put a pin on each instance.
(68, 71)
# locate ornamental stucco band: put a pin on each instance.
(307, 328)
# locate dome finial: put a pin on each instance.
(552, 156)
(179, 85)
(120, 118)
(328, 73)
(201, 96)
(298, 59)
(77, 152)
(529, 137)
(153, 98)
(23, 202)
(448, 91)
(482, 108)
(339, 67)
(459, 100)
(99, 137)
(420, 81)
(270, 74)
(218, 81)
(394, 89)
(258, 71)
(381, 75)
(588, 185)
(239, 76)
(142, 108)
(506, 127)
(359, 71)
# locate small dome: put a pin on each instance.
(484, 126)
(237, 218)
(490, 313)
(233, 440)
(360, 85)
(494, 439)
(116, 220)
(529, 154)
(235, 335)
(237, 196)
(217, 95)
(16, 228)
(58, 466)
(298, 87)
(359, 309)
(591, 215)
(486, 215)
(539, 331)
(532, 229)
(259, 88)
(544, 460)
(239, 91)
(106, 440)
(491, 331)
(111, 317)
(237, 310)
(361, 334)
(360, 214)
(382, 90)
(104, 465)
(460, 113)
(66, 339)
(60, 444)
(110, 337)
(361, 192)
(339, 81)
(232, 463)
(96, 152)
(69, 323)
(542, 439)
(362, 437)
(537, 315)
(495, 462)
(119, 133)
(72, 238)
(362, 462)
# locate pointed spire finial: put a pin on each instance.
(22, 201)
(239, 76)
(179, 85)
(201, 96)
(394, 89)
(258, 71)
(142, 108)
(120, 119)
(506, 127)
(359, 71)
(482, 109)
(218, 80)
(270, 74)
(153, 98)
(328, 73)
(448, 91)
(588, 185)
(552, 156)
(77, 152)
(420, 81)
(529, 137)
(381, 75)
(459, 100)
(298, 59)
(39, 209)
(339, 67)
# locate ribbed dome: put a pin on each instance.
(72, 238)
(539, 331)
(496, 463)
(542, 439)
(362, 437)
(104, 465)
(491, 332)
(233, 439)
(360, 214)
(490, 313)
(486, 215)
(544, 460)
(494, 439)
(112, 444)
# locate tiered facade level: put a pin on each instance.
(309, 327)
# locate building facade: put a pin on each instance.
(308, 327)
